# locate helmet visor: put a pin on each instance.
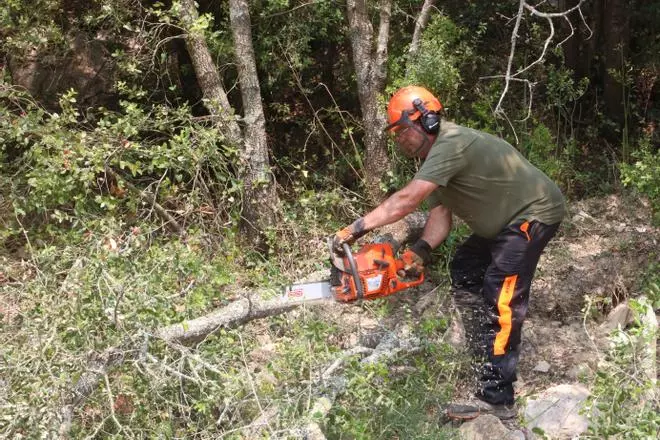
(403, 121)
(409, 137)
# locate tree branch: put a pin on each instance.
(509, 76)
(420, 25)
(150, 199)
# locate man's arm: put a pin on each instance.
(437, 226)
(400, 204)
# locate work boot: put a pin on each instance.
(475, 407)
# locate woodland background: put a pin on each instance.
(160, 159)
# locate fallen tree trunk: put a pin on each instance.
(235, 314)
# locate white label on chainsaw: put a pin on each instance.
(374, 283)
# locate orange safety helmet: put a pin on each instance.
(411, 103)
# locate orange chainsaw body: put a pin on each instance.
(377, 272)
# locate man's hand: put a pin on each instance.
(348, 235)
(416, 257)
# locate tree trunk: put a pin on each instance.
(572, 47)
(371, 71)
(420, 25)
(215, 98)
(616, 30)
(260, 198)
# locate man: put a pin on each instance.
(513, 209)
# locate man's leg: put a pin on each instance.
(467, 269)
(469, 264)
(515, 253)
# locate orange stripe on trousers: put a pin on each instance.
(504, 308)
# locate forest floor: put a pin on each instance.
(596, 262)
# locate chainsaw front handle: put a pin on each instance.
(354, 271)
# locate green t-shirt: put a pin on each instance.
(487, 182)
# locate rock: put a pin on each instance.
(620, 316)
(517, 435)
(556, 411)
(542, 367)
(487, 427)
(579, 372)
(455, 334)
(648, 342)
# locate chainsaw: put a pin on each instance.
(371, 272)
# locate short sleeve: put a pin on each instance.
(434, 199)
(443, 162)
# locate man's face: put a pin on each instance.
(412, 141)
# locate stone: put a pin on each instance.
(580, 371)
(542, 367)
(620, 316)
(556, 411)
(486, 427)
(517, 435)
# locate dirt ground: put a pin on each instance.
(594, 263)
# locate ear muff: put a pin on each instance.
(430, 121)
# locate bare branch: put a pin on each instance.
(514, 39)
(509, 76)
(379, 72)
(420, 24)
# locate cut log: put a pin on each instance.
(235, 314)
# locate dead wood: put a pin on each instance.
(235, 314)
(97, 368)
(150, 199)
(333, 386)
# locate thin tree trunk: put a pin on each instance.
(260, 198)
(215, 97)
(420, 25)
(371, 71)
(616, 28)
(572, 47)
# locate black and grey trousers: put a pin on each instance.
(501, 271)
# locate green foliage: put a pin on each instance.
(650, 284)
(644, 174)
(443, 51)
(64, 156)
(379, 403)
(29, 26)
(91, 294)
(540, 149)
(621, 403)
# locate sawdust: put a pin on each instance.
(594, 263)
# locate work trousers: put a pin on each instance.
(501, 271)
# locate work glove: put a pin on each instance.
(348, 235)
(416, 257)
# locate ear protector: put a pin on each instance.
(430, 121)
